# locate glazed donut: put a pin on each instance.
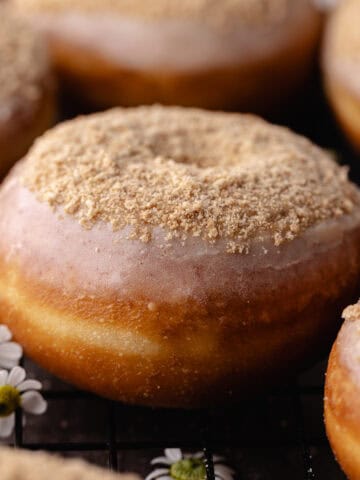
(172, 257)
(23, 465)
(341, 67)
(342, 391)
(249, 54)
(26, 88)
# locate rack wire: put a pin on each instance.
(212, 431)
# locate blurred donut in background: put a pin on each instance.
(26, 88)
(234, 54)
(342, 390)
(17, 464)
(341, 66)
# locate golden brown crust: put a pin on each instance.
(346, 106)
(91, 72)
(342, 414)
(198, 360)
(341, 67)
(25, 465)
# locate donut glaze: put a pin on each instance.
(26, 88)
(341, 67)
(200, 53)
(173, 317)
(342, 390)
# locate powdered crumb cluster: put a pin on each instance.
(352, 313)
(213, 12)
(23, 62)
(191, 172)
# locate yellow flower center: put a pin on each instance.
(9, 400)
(188, 469)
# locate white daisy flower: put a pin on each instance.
(16, 392)
(187, 466)
(10, 352)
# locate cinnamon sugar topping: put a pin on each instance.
(192, 173)
(213, 12)
(23, 63)
(352, 312)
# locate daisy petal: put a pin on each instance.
(7, 425)
(224, 468)
(173, 454)
(16, 376)
(3, 377)
(218, 458)
(165, 477)
(8, 363)
(5, 334)
(196, 455)
(228, 476)
(11, 350)
(217, 477)
(224, 472)
(157, 473)
(163, 460)
(33, 402)
(29, 385)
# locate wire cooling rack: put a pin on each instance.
(278, 436)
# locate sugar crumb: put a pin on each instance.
(352, 312)
(190, 172)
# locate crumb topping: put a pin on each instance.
(24, 465)
(191, 172)
(345, 40)
(23, 62)
(214, 12)
(352, 312)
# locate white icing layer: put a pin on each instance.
(176, 45)
(63, 254)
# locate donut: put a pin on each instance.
(342, 389)
(249, 54)
(179, 258)
(26, 88)
(341, 67)
(23, 465)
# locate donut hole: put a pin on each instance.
(224, 143)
